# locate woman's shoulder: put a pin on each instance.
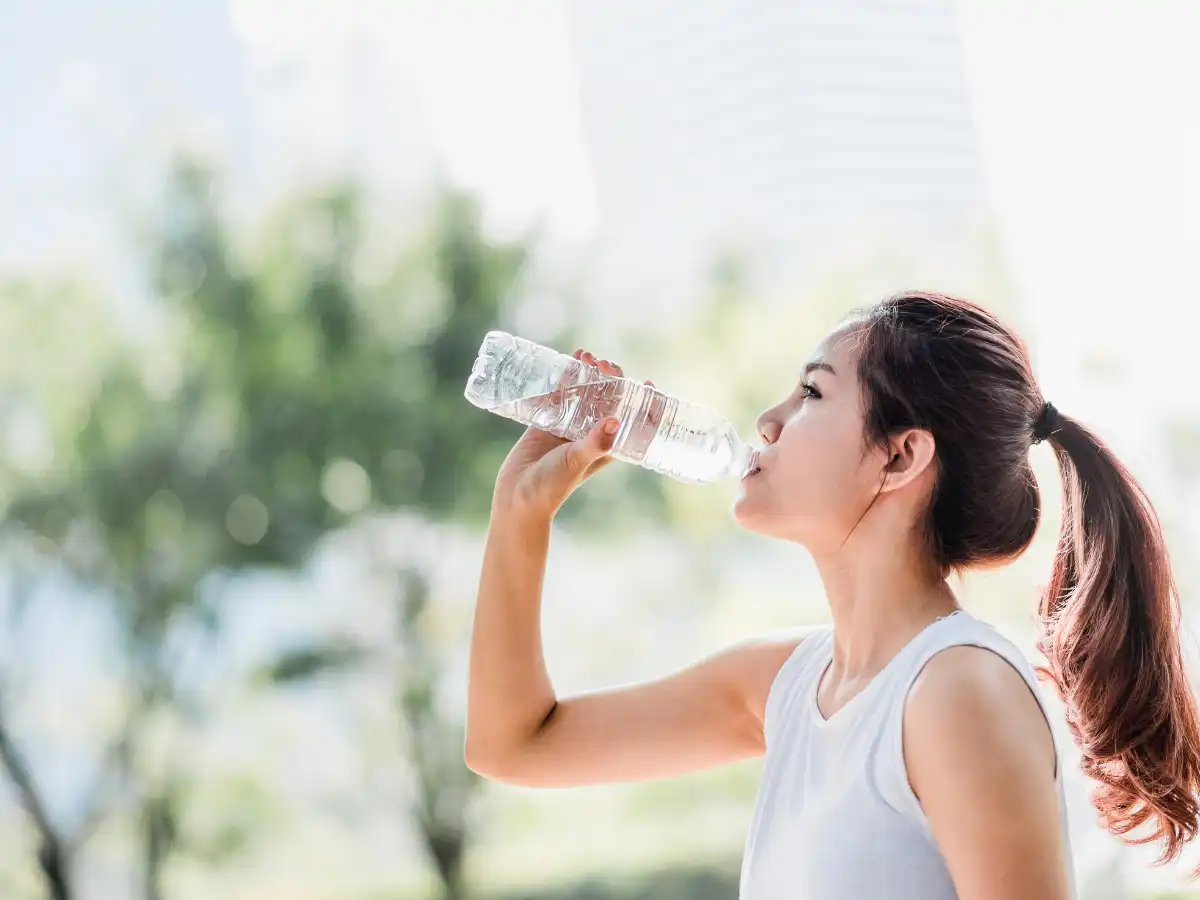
(987, 673)
(972, 639)
(973, 676)
(962, 652)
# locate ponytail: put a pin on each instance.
(1110, 622)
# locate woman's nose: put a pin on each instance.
(768, 429)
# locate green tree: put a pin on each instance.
(288, 390)
(58, 341)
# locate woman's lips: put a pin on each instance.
(754, 471)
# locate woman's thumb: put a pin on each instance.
(597, 445)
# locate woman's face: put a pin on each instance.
(816, 477)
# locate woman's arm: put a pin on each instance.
(981, 760)
(520, 732)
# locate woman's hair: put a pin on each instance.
(1110, 614)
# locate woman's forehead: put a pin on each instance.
(838, 349)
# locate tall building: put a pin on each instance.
(777, 123)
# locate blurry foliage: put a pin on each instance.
(1183, 447)
(699, 883)
(299, 664)
(224, 815)
(282, 392)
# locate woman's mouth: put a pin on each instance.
(755, 465)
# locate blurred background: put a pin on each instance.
(248, 250)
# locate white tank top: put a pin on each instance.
(835, 817)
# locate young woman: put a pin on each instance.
(908, 754)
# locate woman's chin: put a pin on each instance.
(745, 512)
(752, 512)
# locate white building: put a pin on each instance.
(779, 124)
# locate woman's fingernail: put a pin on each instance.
(611, 427)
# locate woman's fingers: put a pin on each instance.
(604, 365)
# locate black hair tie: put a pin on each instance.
(1048, 422)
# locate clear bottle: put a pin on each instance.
(534, 385)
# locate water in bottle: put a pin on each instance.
(535, 385)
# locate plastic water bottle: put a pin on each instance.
(535, 385)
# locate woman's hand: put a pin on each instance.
(542, 470)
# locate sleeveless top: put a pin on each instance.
(835, 817)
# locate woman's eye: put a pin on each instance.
(810, 392)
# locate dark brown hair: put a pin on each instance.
(1110, 614)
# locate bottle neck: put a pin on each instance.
(745, 459)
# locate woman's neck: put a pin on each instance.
(881, 594)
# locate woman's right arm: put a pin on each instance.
(518, 730)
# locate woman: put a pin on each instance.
(907, 751)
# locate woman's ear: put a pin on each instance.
(911, 453)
